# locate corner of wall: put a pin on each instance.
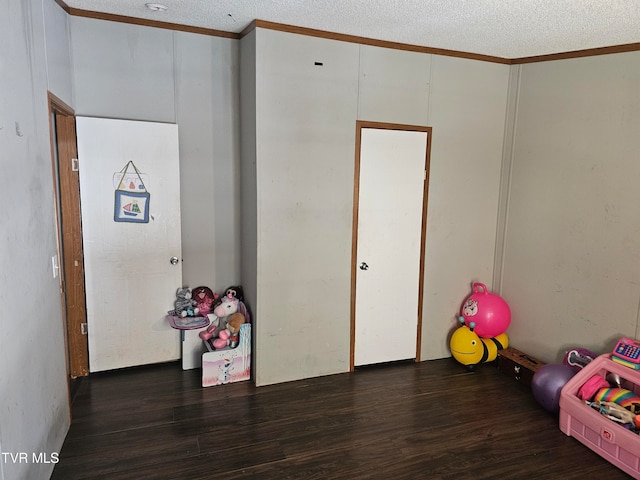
(505, 174)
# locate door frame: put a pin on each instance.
(360, 124)
(66, 186)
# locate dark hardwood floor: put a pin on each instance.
(429, 420)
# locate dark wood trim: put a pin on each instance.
(73, 252)
(57, 105)
(148, 23)
(248, 29)
(591, 52)
(392, 126)
(354, 246)
(373, 42)
(63, 5)
(54, 106)
(423, 240)
(70, 249)
(360, 124)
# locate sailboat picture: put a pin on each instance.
(131, 206)
(131, 209)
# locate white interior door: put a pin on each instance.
(130, 279)
(389, 233)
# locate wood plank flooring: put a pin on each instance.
(428, 420)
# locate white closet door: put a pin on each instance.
(130, 279)
(391, 186)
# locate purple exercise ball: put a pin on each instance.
(547, 384)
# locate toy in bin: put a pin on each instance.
(627, 353)
(618, 404)
(578, 358)
(186, 314)
(229, 315)
(185, 305)
(206, 300)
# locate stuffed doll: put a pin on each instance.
(230, 336)
(185, 305)
(206, 300)
(235, 292)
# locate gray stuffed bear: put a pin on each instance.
(185, 305)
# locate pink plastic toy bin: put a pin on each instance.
(607, 438)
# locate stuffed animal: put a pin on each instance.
(185, 305)
(206, 300)
(228, 306)
(230, 336)
(223, 331)
(235, 292)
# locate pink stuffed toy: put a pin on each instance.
(224, 331)
(205, 299)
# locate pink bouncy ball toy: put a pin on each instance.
(487, 314)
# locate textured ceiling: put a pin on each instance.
(502, 28)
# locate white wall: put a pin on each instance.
(467, 110)
(571, 254)
(248, 183)
(207, 112)
(144, 73)
(34, 415)
(394, 86)
(58, 52)
(305, 133)
(305, 144)
(122, 71)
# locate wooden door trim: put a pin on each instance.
(360, 124)
(70, 251)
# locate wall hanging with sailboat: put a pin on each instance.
(131, 195)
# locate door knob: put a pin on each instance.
(364, 266)
(174, 260)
